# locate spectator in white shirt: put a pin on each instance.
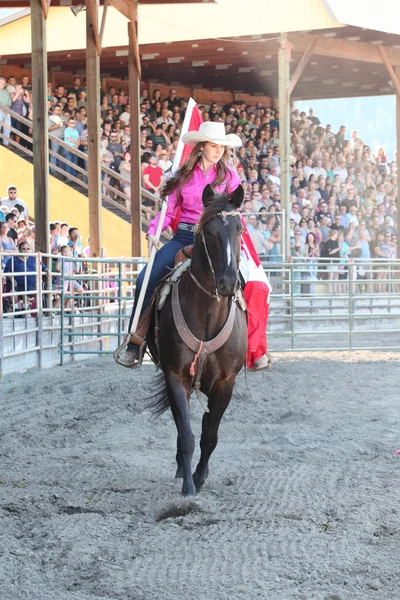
(295, 213)
(164, 118)
(319, 169)
(341, 170)
(11, 201)
(273, 176)
(308, 169)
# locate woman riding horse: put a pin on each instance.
(207, 164)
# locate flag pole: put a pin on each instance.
(149, 267)
(175, 167)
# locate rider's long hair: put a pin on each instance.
(185, 172)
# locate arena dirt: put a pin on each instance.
(302, 501)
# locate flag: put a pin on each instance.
(191, 122)
(257, 294)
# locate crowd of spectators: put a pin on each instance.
(19, 266)
(343, 196)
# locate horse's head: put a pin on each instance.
(219, 230)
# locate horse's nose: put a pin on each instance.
(226, 287)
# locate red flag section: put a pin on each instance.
(192, 122)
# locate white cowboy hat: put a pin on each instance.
(211, 132)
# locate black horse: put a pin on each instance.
(201, 306)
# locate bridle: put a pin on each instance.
(216, 296)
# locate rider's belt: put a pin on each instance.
(187, 227)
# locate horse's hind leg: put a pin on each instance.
(179, 402)
(218, 401)
(179, 457)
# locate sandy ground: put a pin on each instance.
(302, 501)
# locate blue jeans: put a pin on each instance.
(72, 158)
(53, 159)
(163, 262)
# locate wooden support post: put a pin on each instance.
(395, 77)
(389, 68)
(45, 7)
(302, 65)
(40, 127)
(134, 90)
(103, 23)
(397, 73)
(92, 8)
(284, 136)
(93, 150)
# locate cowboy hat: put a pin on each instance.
(211, 132)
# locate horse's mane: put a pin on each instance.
(218, 204)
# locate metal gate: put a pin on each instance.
(96, 297)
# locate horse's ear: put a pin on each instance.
(237, 197)
(208, 194)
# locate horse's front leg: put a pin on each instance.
(179, 402)
(218, 401)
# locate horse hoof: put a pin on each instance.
(199, 480)
(189, 490)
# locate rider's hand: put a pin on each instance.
(152, 241)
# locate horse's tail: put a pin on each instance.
(159, 401)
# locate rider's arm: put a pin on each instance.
(169, 217)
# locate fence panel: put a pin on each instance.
(56, 309)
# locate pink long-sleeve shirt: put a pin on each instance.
(191, 195)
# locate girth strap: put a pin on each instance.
(201, 348)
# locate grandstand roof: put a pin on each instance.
(212, 48)
(27, 3)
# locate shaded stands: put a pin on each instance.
(93, 48)
(336, 61)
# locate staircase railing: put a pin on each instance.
(111, 195)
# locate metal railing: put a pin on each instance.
(333, 304)
(82, 307)
(111, 194)
(54, 308)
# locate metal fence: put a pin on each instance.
(334, 305)
(56, 309)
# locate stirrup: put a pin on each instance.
(118, 358)
(264, 362)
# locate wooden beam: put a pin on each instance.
(39, 127)
(134, 36)
(386, 62)
(284, 137)
(103, 23)
(45, 7)
(134, 89)
(302, 65)
(93, 150)
(121, 6)
(339, 48)
(92, 8)
(397, 75)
